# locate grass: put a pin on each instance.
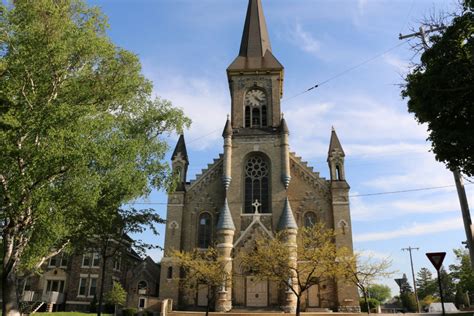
(71, 314)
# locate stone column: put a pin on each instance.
(285, 153)
(287, 225)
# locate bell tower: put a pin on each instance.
(255, 76)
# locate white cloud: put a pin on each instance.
(441, 202)
(415, 229)
(304, 40)
(365, 127)
(373, 254)
(402, 66)
(205, 102)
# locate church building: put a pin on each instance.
(256, 186)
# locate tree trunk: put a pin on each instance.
(208, 300)
(366, 303)
(9, 295)
(102, 281)
(298, 311)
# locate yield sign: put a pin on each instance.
(436, 259)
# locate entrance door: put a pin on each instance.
(257, 292)
(203, 292)
(313, 296)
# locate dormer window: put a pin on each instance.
(255, 104)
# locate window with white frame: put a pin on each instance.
(95, 259)
(53, 261)
(82, 286)
(86, 260)
(64, 261)
(117, 262)
(92, 286)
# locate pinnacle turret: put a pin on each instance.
(180, 150)
(287, 219)
(335, 144)
(225, 218)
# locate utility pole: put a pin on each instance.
(422, 34)
(409, 249)
(466, 216)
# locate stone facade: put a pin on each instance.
(248, 189)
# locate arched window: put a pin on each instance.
(309, 219)
(204, 231)
(169, 273)
(255, 107)
(338, 173)
(256, 185)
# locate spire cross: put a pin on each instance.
(256, 205)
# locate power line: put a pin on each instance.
(346, 71)
(299, 200)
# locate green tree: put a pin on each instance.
(448, 285)
(462, 272)
(425, 283)
(319, 260)
(110, 229)
(369, 304)
(117, 296)
(379, 292)
(364, 272)
(408, 301)
(201, 268)
(440, 91)
(75, 115)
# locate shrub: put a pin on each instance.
(129, 312)
(373, 303)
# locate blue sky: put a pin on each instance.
(186, 45)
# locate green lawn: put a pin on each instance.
(70, 314)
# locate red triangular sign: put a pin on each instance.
(436, 259)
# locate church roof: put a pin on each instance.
(335, 144)
(225, 218)
(255, 49)
(287, 219)
(180, 148)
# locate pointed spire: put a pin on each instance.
(287, 219)
(227, 128)
(180, 148)
(335, 144)
(255, 40)
(225, 218)
(255, 49)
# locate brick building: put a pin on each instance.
(257, 186)
(72, 283)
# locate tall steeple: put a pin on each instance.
(255, 49)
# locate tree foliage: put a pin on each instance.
(79, 130)
(318, 259)
(117, 295)
(380, 292)
(364, 272)
(441, 94)
(201, 268)
(462, 272)
(425, 284)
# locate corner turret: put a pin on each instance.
(336, 158)
(180, 162)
